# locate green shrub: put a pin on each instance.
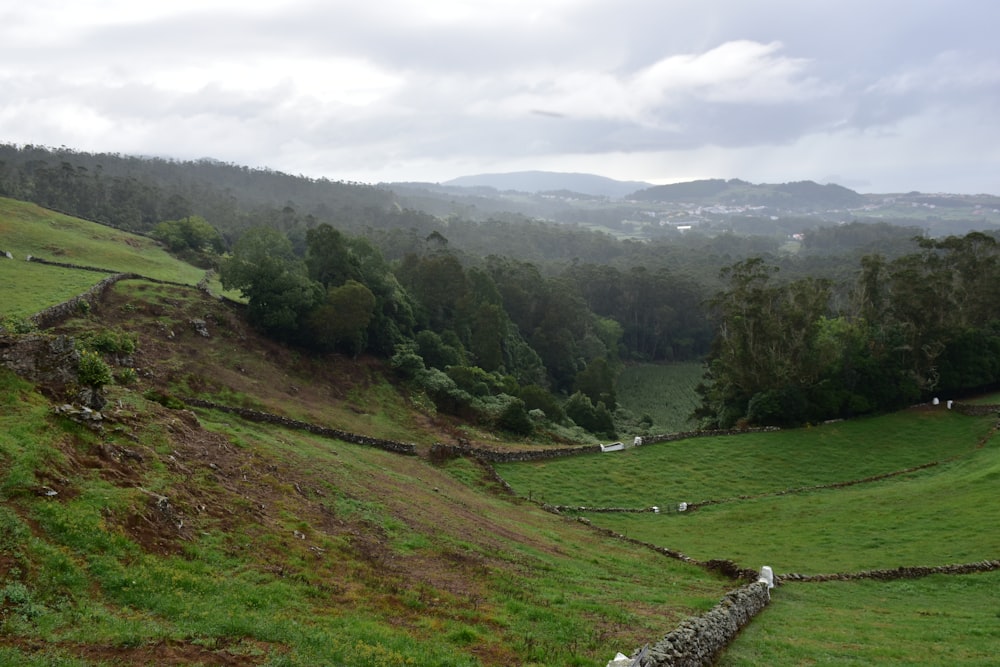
(17, 325)
(407, 361)
(166, 400)
(92, 369)
(515, 419)
(595, 418)
(126, 376)
(110, 341)
(538, 398)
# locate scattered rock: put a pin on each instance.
(80, 414)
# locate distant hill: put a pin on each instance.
(734, 192)
(548, 181)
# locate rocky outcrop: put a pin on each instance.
(50, 361)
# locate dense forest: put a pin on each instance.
(516, 322)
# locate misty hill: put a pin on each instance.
(547, 181)
(735, 192)
(137, 193)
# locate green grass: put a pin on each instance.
(938, 620)
(935, 516)
(311, 551)
(715, 468)
(414, 563)
(27, 229)
(989, 399)
(26, 288)
(665, 392)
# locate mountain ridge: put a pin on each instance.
(536, 181)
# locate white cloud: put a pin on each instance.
(391, 89)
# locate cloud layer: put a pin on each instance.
(880, 96)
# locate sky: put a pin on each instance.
(875, 95)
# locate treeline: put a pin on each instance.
(499, 317)
(923, 324)
(497, 340)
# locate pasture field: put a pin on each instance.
(27, 229)
(665, 392)
(208, 539)
(720, 467)
(937, 620)
(937, 515)
(27, 287)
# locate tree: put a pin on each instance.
(343, 317)
(594, 418)
(327, 256)
(766, 343)
(266, 271)
(597, 382)
(436, 352)
(514, 418)
(189, 233)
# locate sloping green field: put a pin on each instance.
(27, 229)
(938, 515)
(664, 392)
(715, 468)
(175, 538)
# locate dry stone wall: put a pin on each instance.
(45, 359)
(708, 433)
(972, 410)
(915, 572)
(67, 265)
(699, 640)
(55, 314)
(440, 452)
(267, 418)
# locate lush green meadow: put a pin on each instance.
(938, 515)
(665, 392)
(937, 620)
(27, 229)
(27, 287)
(933, 517)
(719, 467)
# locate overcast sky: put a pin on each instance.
(876, 95)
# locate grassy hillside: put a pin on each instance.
(665, 392)
(168, 536)
(173, 537)
(937, 515)
(715, 468)
(222, 541)
(27, 229)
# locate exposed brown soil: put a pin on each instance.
(162, 653)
